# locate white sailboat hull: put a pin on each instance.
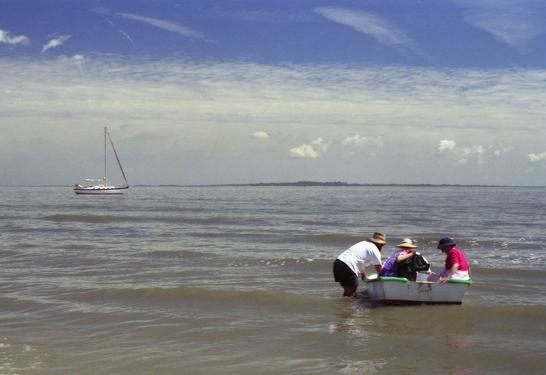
(100, 190)
(396, 290)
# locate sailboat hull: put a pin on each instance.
(100, 190)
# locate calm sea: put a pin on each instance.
(237, 280)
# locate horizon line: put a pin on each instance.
(294, 184)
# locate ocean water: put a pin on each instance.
(237, 280)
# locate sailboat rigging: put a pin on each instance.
(103, 187)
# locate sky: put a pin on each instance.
(240, 91)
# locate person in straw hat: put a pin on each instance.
(400, 263)
(351, 264)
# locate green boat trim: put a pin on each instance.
(395, 279)
(457, 281)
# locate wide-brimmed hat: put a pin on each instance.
(378, 238)
(407, 242)
(446, 241)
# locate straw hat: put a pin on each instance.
(407, 242)
(378, 238)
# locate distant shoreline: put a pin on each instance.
(304, 184)
(329, 184)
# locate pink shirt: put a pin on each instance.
(456, 255)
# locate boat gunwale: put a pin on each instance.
(403, 280)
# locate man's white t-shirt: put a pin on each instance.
(361, 255)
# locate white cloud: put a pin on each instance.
(56, 42)
(445, 146)
(261, 134)
(164, 25)
(533, 158)
(378, 28)
(513, 22)
(314, 150)
(5, 37)
(304, 151)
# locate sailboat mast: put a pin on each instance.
(105, 132)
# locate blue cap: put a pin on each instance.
(446, 241)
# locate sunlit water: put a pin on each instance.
(238, 280)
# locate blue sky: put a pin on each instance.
(199, 92)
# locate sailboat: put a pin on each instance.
(102, 186)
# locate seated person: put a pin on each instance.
(405, 262)
(456, 265)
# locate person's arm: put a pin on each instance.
(451, 272)
(377, 269)
(402, 257)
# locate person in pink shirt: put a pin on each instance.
(456, 265)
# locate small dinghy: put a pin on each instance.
(399, 290)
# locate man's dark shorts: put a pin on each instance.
(344, 275)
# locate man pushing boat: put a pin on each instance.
(352, 263)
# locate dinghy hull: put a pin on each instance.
(397, 290)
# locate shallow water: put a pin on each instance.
(238, 280)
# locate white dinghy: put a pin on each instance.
(399, 290)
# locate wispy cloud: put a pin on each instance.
(503, 150)
(394, 97)
(473, 153)
(164, 25)
(214, 109)
(56, 42)
(358, 140)
(105, 14)
(125, 35)
(6, 37)
(266, 16)
(513, 22)
(370, 24)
